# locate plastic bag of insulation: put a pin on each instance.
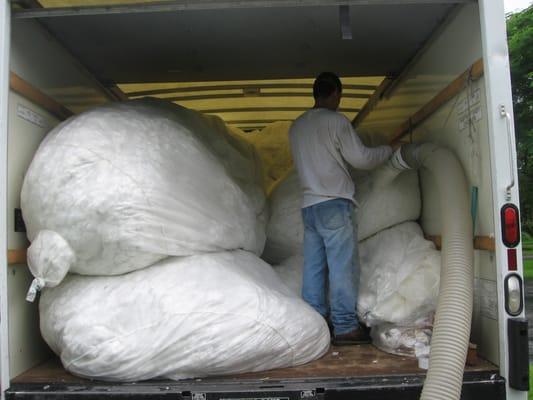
(399, 276)
(120, 187)
(408, 341)
(290, 272)
(184, 317)
(380, 207)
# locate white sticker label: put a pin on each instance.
(487, 298)
(31, 116)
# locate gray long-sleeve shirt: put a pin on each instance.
(322, 142)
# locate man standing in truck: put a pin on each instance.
(323, 142)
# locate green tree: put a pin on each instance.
(520, 37)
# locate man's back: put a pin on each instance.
(322, 141)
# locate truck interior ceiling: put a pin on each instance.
(411, 71)
(250, 66)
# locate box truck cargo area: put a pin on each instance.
(417, 71)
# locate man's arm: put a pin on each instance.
(355, 152)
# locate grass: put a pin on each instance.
(527, 250)
(528, 269)
(527, 243)
(530, 393)
(527, 247)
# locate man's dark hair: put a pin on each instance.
(325, 84)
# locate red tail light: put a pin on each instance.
(510, 225)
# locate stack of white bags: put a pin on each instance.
(146, 221)
(399, 269)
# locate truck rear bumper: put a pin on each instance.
(476, 385)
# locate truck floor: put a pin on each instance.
(339, 362)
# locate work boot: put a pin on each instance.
(357, 336)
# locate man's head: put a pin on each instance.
(327, 91)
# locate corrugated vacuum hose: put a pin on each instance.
(451, 331)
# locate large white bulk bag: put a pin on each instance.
(184, 317)
(380, 206)
(399, 276)
(117, 188)
(284, 229)
(290, 272)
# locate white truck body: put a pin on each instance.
(477, 124)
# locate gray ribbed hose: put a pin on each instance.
(451, 330)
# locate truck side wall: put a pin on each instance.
(503, 168)
(39, 58)
(455, 47)
(58, 74)
(452, 50)
(25, 343)
(5, 19)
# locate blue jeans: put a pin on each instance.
(330, 240)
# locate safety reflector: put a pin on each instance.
(511, 259)
(510, 225)
(513, 295)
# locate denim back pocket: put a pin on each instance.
(333, 215)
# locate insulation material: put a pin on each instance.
(272, 144)
(122, 186)
(184, 317)
(284, 230)
(290, 272)
(380, 207)
(407, 341)
(399, 276)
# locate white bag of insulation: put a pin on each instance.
(404, 341)
(184, 317)
(399, 276)
(380, 207)
(117, 188)
(290, 272)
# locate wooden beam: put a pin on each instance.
(259, 85)
(26, 90)
(256, 95)
(16, 256)
(485, 243)
(256, 121)
(264, 109)
(471, 74)
(372, 101)
(480, 242)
